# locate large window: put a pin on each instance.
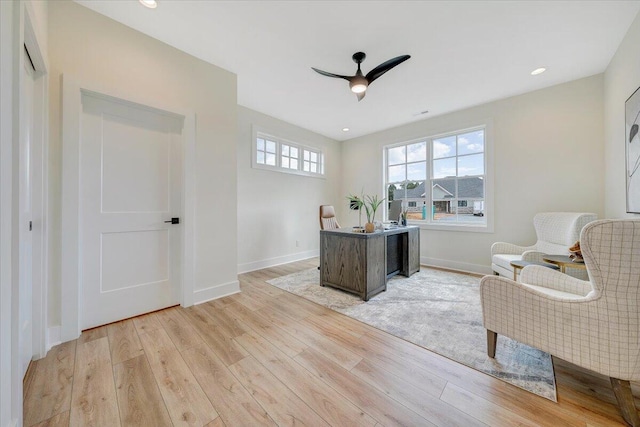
(440, 180)
(283, 156)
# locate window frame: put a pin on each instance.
(288, 156)
(278, 167)
(429, 223)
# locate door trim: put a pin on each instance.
(71, 297)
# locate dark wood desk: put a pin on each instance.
(362, 263)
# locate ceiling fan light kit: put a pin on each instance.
(359, 82)
(151, 4)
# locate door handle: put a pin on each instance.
(173, 221)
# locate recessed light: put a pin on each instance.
(151, 4)
(345, 129)
(538, 71)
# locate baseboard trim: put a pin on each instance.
(54, 337)
(214, 292)
(456, 265)
(200, 296)
(272, 262)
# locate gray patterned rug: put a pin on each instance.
(440, 311)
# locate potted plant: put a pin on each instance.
(355, 204)
(371, 205)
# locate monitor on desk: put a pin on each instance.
(395, 209)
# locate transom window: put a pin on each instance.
(311, 161)
(283, 156)
(266, 152)
(439, 180)
(289, 157)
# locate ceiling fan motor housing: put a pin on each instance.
(358, 57)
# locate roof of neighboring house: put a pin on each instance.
(412, 193)
(468, 188)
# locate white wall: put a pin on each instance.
(277, 209)
(548, 156)
(8, 259)
(96, 49)
(621, 79)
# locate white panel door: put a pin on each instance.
(130, 185)
(25, 293)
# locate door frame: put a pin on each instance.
(39, 190)
(71, 289)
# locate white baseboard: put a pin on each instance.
(200, 296)
(214, 292)
(54, 337)
(455, 265)
(272, 262)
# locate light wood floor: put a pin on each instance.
(267, 357)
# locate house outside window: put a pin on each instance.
(441, 180)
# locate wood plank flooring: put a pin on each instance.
(267, 357)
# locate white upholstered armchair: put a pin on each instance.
(556, 231)
(595, 325)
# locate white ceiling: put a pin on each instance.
(463, 53)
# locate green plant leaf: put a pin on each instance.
(355, 202)
(633, 132)
(371, 205)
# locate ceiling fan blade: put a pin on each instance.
(361, 95)
(384, 67)
(325, 73)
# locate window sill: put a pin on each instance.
(287, 170)
(464, 227)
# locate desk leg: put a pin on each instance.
(515, 274)
(563, 269)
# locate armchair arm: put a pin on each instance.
(553, 324)
(533, 256)
(509, 248)
(552, 279)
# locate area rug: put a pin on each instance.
(440, 311)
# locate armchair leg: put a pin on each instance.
(622, 390)
(492, 340)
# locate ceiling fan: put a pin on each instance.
(360, 82)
